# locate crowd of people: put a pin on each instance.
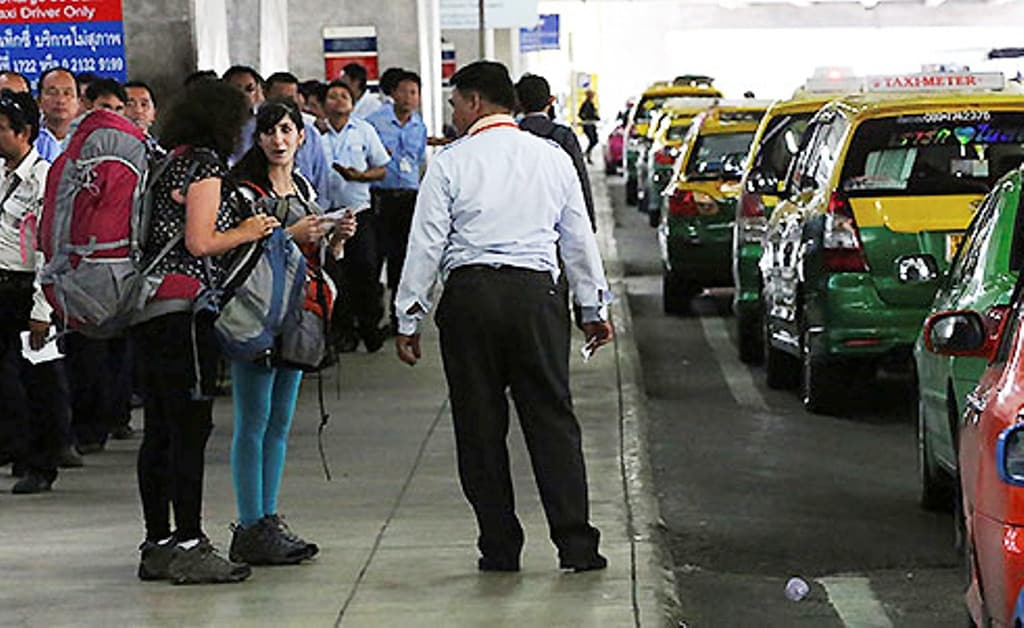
(347, 162)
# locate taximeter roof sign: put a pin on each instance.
(936, 81)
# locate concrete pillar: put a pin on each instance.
(160, 43)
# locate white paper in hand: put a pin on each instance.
(48, 353)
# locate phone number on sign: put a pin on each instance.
(75, 64)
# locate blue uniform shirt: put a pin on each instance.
(358, 146)
(48, 146)
(406, 144)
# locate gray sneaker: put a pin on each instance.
(155, 560)
(277, 522)
(203, 564)
(263, 544)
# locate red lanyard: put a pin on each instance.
(494, 125)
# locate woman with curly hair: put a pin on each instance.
(195, 221)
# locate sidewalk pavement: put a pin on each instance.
(397, 537)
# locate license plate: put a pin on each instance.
(953, 241)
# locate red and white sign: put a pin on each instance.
(351, 44)
(936, 82)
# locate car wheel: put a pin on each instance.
(631, 191)
(936, 487)
(781, 370)
(750, 343)
(676, 294)
(818, 388)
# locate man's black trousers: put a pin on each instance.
(357, 275)
(508, 329)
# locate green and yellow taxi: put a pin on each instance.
(874, 207)
(698, 207)
(669, 126)
(775, 144)
(649, 103)
(981, 279)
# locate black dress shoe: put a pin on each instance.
(588, 564)
(91, 448)
(33, 482)
(68, 458)
(486, 563)
(122, 432)
(373, 339)
(347, 343)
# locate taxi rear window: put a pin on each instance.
(962, 152)
(780, 144)
(646, 106)
(676, 132)
(719, 155)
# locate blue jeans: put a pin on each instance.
(264, 401)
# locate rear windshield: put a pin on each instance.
(780, 144)
(677, 132)
(646, 106)
(961, 152)
(718, 155)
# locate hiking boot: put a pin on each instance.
(262, 544)
(277, 522)
(201, 563)
(155, 560)
(122, 432)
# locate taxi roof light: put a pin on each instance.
(936, 82)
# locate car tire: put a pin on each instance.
(936, 487)
(818, 388)
(677, 294)
(781, 370)
(749, 331)
(631, 186)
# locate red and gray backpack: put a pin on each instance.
(94, 223)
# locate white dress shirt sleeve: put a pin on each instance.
(428, 236)
(578, 248)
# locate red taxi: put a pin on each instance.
(991, 456)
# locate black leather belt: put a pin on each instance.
(503, 270)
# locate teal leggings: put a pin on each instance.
(264, 400)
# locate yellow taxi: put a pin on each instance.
(776, 143)
(666, 132)
(689, 85)
(698, 207)
(874, 207)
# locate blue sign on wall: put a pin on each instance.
(80, 35)
(543, 36)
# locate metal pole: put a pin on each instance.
(481, 29)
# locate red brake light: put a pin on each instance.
(751, 205)
(842, 250)
(664, 157)
(682, 203)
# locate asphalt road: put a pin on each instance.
(753, 490)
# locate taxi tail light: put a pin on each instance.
(841, 246)
(752, 222)
(664, 157)
(682, 203)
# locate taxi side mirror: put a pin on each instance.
(966, 333)
(960, 333)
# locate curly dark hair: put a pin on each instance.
(207, 114)
(21, 111)
(253, 165)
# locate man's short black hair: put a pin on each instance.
(46, 73)
(340, 83)
(144, 85)
(533, 93)
(286, 78)
(105, 87)
(409, 76)
(22, 112)
(200, 75)
(490, 79)
(389, 80)
(316, 89)
(357, 73)
(236, 70)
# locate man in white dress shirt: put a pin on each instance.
(495, 211)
